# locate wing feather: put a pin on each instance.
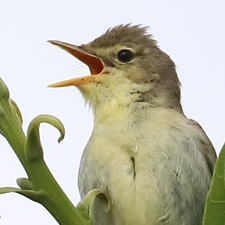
(205, 146)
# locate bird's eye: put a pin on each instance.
(125, 55)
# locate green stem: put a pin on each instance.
(49, 193)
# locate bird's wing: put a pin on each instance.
(205, 146)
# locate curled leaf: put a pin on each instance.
(33, 148)
(86, 207)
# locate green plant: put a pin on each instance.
(215, 202)
(30, 153)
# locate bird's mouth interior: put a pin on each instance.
(95, 65)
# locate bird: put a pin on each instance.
(154, 163)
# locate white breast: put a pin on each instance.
(150, 166)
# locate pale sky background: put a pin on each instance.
(191, 32)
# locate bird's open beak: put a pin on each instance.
(95, 65)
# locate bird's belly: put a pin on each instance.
(148, 183)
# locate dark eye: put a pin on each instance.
(125, 55)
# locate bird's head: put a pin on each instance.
(127, 68)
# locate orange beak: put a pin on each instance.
(95, 65)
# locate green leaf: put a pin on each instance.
(215, 203)
(33, 148)
(33, 195)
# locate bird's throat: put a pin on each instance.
(114, 97)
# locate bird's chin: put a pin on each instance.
(90, 92)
